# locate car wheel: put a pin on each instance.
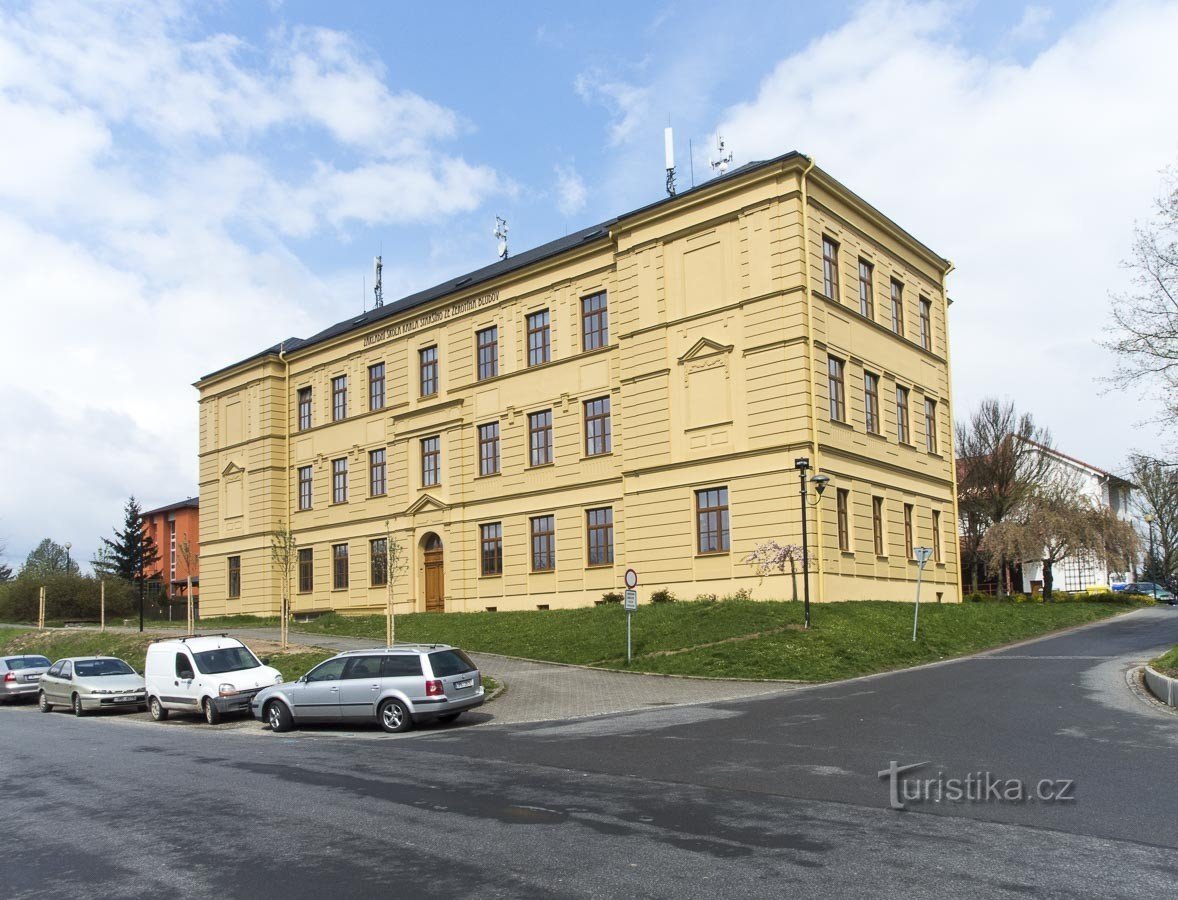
(449, 717)
(157, 710)
(43, 703)
(78, 711)
(278, 716)
(394, 717)
(212, 714)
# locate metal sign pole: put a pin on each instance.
(630, 599)
(629, 655)
(922, 557)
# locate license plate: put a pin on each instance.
(32, 678)
(469, 682)
(123, 699)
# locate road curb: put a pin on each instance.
(1163, 687)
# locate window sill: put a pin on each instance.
(711, 553)
(547, 465)
(551, 571)
(339, 503)
(842, 424)
(492, 575)
(879, 435)
(481, 476)
(605, 565)
(586, 456)
(378, 496)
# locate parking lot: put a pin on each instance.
(530, 692)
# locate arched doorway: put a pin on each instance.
(435, 573)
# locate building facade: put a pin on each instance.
(1081, 572)
(633, 395)
(175, 528)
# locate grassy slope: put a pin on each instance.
(1167, 663)
(130, 647)
(846, 639)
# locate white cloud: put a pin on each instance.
(1028, 176)
(571, 193)
(1033, 24)
(628, 104)
(144, 229)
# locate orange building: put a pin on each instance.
(169, 526)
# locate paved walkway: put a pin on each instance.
(542, 692)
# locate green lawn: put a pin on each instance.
(129, 647)
(1167, 663)
(845, 640)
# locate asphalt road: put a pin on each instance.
(762, 797)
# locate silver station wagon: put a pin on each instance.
(395, 687)
(85, 683)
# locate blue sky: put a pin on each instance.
(182, 185)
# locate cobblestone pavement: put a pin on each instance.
(542, 692)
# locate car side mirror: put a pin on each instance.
(265, 660)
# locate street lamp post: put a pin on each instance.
(802, 464)
(68, 562)
(1153, 560)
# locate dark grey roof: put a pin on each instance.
(191, 502)
(495, 270)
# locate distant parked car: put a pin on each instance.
(395, 687)
(1147, 588)
(20, 676)
(208, 674)
(85, 683)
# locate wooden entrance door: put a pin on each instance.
(435, 571)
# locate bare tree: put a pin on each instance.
(1057, 522)
(1001, 463)
(1156, 494)
(284, 552)
(1146, 316)
(189, 557)
(394, 565)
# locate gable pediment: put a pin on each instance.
(425, 502)
(704, 348)
(231, 469)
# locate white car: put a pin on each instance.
(210, 675)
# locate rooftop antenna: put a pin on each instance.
(377, 287)
(724, 156)
(501, 233)
(669, 151)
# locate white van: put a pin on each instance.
(211, 675)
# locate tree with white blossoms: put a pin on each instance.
(772, 558)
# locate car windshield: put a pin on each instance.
(95, 668)
(450, 662)
(227, 659)
(27, 662)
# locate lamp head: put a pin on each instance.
(1149, 518)
(802, 463)
(820, 482)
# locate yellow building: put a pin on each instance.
(633, 395)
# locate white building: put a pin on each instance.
(1082, 572)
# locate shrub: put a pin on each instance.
(612, 597)
(67, 597)
(742, 594)
(706, 598)
(663, 595)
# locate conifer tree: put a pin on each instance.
(131, 555)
